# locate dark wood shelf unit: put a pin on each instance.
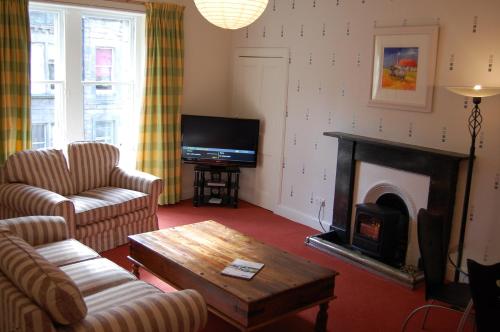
(216, 185)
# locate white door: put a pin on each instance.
(260, 84)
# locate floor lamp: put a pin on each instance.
(475, 120)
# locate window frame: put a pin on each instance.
(58, 126)
(69, 125)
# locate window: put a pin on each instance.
(103, 63)
(46, 91)
(38, 62)
(103, 67)
(107, 46)
(85, 81)
(40, 135)
(104, 131)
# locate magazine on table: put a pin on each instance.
(240, 268)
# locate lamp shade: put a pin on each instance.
(231, 14)
(474, 91)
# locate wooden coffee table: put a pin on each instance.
(194, 255)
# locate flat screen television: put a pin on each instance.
(219, 141)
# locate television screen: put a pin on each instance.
(227, 141)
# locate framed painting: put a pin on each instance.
(404, 64)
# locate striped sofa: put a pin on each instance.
(49, 282)
(101, 202)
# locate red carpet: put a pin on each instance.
(365, 302)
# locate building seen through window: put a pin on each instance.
(107, 47)
(43, 93)
(103, 67)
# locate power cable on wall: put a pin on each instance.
(320, 216)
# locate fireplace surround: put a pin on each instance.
(440, 166)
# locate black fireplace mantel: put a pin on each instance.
(441, 166)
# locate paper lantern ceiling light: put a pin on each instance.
(231, 14)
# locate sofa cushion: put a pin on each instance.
(115, 296)
(103, 203)
(41, 280)
(124, 200)
(45, 169)
(66, 252)
(96, 275)
(90, 210)
(91, 164)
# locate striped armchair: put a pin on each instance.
(50, 283)
(101, 203)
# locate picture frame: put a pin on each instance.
(403, 67)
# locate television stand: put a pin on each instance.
(216, 185)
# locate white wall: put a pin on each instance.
(330, 73)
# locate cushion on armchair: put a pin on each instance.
(103, 203)
(125, 200)
(90, 210)
(41, 281)
(91, 164)
(45, 169)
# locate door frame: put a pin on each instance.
(274, 53)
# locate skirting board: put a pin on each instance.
(281, 210)
(187, 194)
(301, 218)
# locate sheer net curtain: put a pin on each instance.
(15, 123)
(159, 139)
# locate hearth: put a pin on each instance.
(378, 238)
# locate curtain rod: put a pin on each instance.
(125, 5)
(135, 2)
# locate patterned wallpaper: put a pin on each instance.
(330, 43)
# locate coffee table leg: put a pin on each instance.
(321, 318)
(135, 270)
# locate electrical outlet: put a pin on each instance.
(319, 201)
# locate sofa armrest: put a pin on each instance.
(180, 311)
(37, 230)
(138, 181)
(18, 312)
(2, 174)
(26, 200)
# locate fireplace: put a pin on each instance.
(383, 230)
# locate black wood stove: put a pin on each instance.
(381, 232)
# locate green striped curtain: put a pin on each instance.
(15, 96)
(159, 141)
